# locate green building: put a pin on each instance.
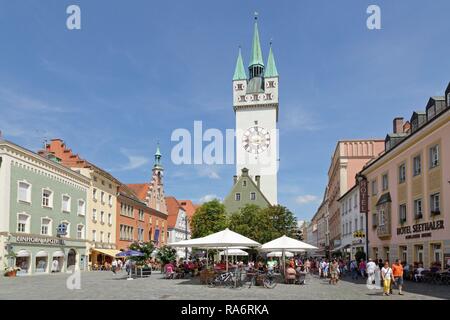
(245, 191)
(42, 213)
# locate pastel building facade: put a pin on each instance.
(348, 159)
(38, 197)
(409, 189)
(101, 202)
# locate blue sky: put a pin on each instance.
(139, 69)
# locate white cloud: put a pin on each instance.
(299, 119)
(211, 172)
(307, 199)
(208, 197)
(134, 161)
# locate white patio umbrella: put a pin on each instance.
(224, 239)
(280, 253)
(285, 243)
(233, 253)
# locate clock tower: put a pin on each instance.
(255, 103)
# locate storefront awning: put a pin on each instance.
(58, 254)
(108, 252)
(22, 253)
(41, 254)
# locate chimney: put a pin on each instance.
(258, 181)
(234, 180)
(398, 125)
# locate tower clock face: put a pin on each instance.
(256, 140)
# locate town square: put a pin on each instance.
(157, 151)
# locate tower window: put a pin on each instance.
(240, 87)
(237, 197)
(242, 99)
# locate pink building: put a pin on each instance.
(409, 189)
(348, 159)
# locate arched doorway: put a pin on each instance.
(71, 259)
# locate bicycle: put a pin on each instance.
(227, 279)
(267, 279)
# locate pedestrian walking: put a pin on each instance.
(397, 272)
(386, 276)
(119, 264)
(362, 268)
(371, 267)
(334, 272)
(114, 266)
(55, 265)
(354, 270)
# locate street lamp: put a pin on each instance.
(363, 195)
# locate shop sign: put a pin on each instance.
(363, 196)
(40, 240)
(413, 232)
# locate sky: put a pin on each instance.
(138, 70)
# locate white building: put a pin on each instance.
(353, 224)
(178, 225)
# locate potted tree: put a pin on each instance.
(10, 271)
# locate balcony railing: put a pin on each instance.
(384, 231)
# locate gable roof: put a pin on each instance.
(140, 189)
(189, 207)
(232, 205)
(173, 208)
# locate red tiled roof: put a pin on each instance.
(173, 207)
(189, 207)
(140, 189)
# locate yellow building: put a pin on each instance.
(101, 204)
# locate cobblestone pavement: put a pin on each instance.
(105, 285)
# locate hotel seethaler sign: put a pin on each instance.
(40, 240)
(413, 231)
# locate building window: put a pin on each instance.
(237, 197)
(402, 173)
(95, 179)
(361, 222)
(356, 200)
(140, 234)
(417, 165)
(102, 217)
(47, 198)
(94, 235)
(141, 214)
(240, 87)
(94, 215)
(109, 218)
(382, 218)
(403, 253)
(374, 187)
(356, 224)
(402, 213)
(101, 236)
(350, 227)
(385, 182)
(350, 204)
(435, 204)
(102, 197)
(244, 183)
(24, 192)
(81, 207)
(110, 200)
(436, 251)
(252, 196)
(65, 203)
(94, 194)
(80, 231)
(109, 237)
(434, 156)
(418, 209)
(46, 226)
(418, 252)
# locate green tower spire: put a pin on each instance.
(157, 158)
(256, 66)
(239, 72)
(271, 70)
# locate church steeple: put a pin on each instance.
(271, 70)
(239, 72)
(256, 66)
(157, 158)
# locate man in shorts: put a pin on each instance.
(397, 272)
